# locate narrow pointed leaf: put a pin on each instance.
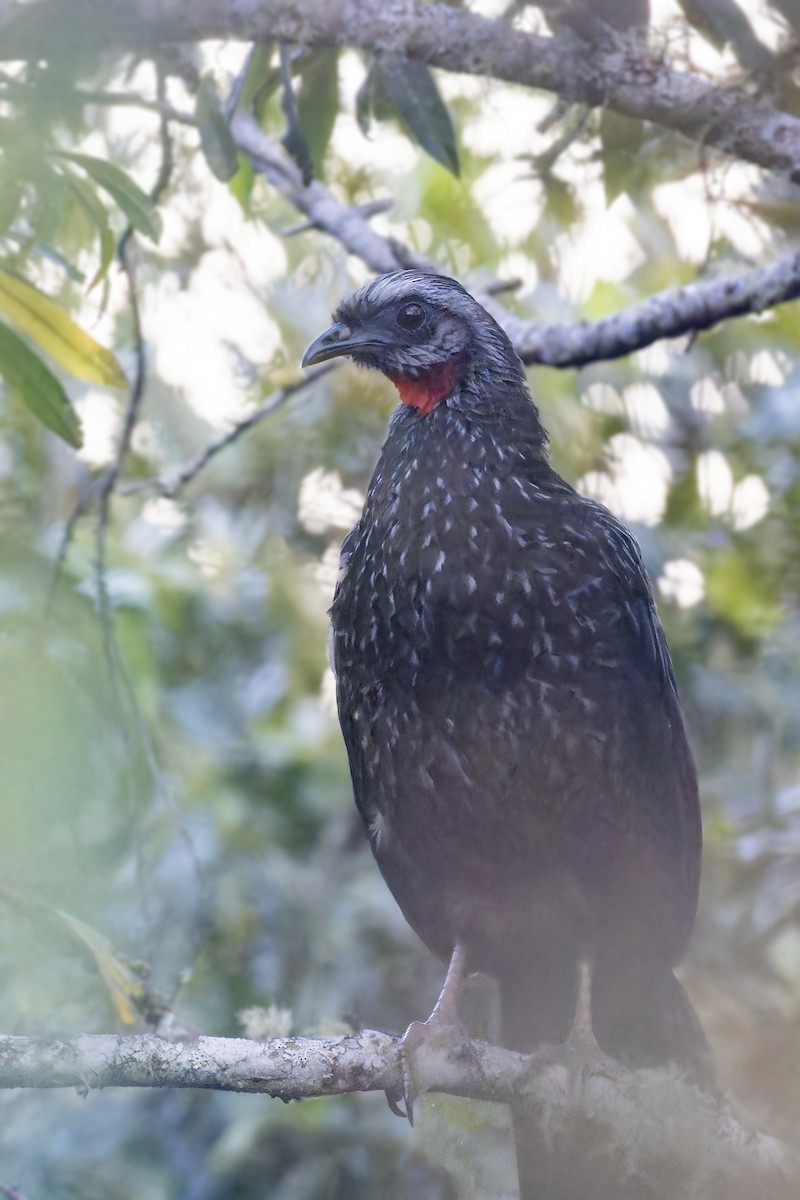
(216, 139)
(37, 387)
(410, 88)
(294, 138)
(318, 103)
(97, 215)
(135, 203)
(260, 81)
(364, 102)
(36, 315)
(124, 984)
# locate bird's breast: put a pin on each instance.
(447, 570)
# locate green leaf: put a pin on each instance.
(135, 204)
(49, 326)
(318, 103)
(37, 387)
(260, 81)
(241, 185)
(216, 139)
(621, 140)
(97, 216)
(409, 88)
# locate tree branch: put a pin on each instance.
(173, 484)
(348, 225)
(619, 74)
(668, 314)
(670, 1132)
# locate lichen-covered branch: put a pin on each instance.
(668, 314)
(670, 1134)
(619, 74)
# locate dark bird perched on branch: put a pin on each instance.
(515, 738)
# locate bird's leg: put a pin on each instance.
(582, 1034)
(582, 1041)
(445, 1010)
(445, 1017)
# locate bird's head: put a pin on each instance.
(427, 334)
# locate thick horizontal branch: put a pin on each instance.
(669, 1130)
(616, 73)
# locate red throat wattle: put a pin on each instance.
(425, 392)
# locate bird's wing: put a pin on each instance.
(546, 707)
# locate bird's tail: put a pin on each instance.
(641, 1018)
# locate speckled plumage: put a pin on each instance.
(507, 700)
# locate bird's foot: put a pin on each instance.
(423, 1045)
(443, 1031)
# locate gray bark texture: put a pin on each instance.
(672, 1136)
(617, 73)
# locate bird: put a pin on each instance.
(517, 748)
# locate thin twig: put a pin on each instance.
(110, 478)
(118, 674)
(87, 495)
(101, 488)
(170, 487)
(11, 1193)
(132, 100)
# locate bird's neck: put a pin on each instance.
(425, 390)
(464, 425)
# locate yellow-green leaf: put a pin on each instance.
(41, 319)
(37, 387)
(124, 984)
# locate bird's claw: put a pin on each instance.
(392, 1101)
(444, 1023)
(402, 1104)
(440, 1036)
(410, 1043)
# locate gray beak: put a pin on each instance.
(337, 340)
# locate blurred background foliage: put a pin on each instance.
(176, 824)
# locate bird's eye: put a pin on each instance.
(411, 316)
